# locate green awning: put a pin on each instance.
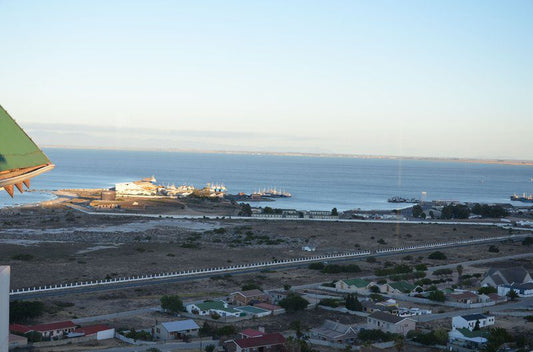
(20, 158)
(17, 150)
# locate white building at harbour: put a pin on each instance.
(4, 308)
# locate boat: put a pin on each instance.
(271, 193)
(397, 199)
(523, 198)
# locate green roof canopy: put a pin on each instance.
(17, 150)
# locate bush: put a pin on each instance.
(22, 256)
(329, 302)
(438, 256)
(293, 303)
(486, 290)
(494, 249)
(436, 337)
(437, 296)
(528, 241)
(336, 268)
(139, 335)
(352, 303)
(374, 335)
(316, 266)
(250, 286)
(20, 311)
(421, 267)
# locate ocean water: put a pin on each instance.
(316, 183)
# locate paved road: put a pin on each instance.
(522, 303)
(170, 280)
(480, 261)
(219, 217)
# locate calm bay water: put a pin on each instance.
(315, 183)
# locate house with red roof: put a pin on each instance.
(251, 333)
(48, 331)
(274, 342)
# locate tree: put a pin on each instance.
(293, 303)
(417, 211)
(334, 212)
(399, 343)
(209, 348)
(497, 337)
(459, 269)
(172, 304)
(250, 286)
(246, 210)
(512, 295)
(352, 303)
(437, 296)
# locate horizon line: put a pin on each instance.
(516, 162)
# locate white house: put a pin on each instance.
(4, 307)
(175, 329)
(469, 321)
(213, 307)
(523, 290)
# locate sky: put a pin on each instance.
(414, 78)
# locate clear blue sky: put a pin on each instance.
(430, 78)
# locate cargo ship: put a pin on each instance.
(523, 198)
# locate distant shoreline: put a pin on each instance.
(314, 155)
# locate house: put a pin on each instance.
(471, 321)
(460, 340)
(523, 290)
(271, 307)
(277, 295)
(335, 332)
(251, 333)
(370, 307)
(245, 298)
(274, 342)
(100, 331)
(397, 287)
(353, 285)
(51, 331)
(213, 307)
(506, 276)
(497, 298)
(465, 297)
(175, 329)
(390, 323)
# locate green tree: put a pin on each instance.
(334, 212)
(417, 211)
(172, 304)
(352, 303)
(399, 343)
(497, 337)
(209, 348)
(246, 210)
(460, 270)
(437, 296)
(293, 303)
(512, 295)
(486, 290)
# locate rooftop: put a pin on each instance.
(93, 329)
(389, 318)
(359, 283)
(265, 340)
(402, 286)
(472, 317)
(180, 325)
(216, 305)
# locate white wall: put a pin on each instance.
(4, 308)
(105, 334)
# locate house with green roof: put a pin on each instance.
(465, 340)
(20, 158)
(353, 285)
(398, 287)
(213, 307)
